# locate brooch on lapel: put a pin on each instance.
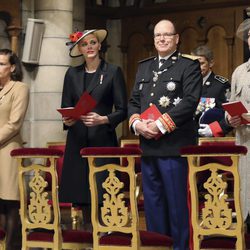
(101, 78)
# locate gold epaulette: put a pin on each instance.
(192, 57)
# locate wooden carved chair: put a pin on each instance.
(76, 212)
(215, 223)
(2, 240)
(41, 218)
(134, 143)
(115, 223)
(225, 160)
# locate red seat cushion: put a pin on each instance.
(223, 242)
(2, 234)
(213, 149)
(36, 152)
(59, 164)
(77, 236)
(147, 239)
(110, 151)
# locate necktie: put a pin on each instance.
(162, 61)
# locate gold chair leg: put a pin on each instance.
(76, 216)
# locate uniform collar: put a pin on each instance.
(172, 58)
(166, 57)
(206, 77)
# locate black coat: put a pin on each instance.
(109, 90)
(181, 82)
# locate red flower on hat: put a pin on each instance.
(75, 36)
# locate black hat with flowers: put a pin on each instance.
(76, 37)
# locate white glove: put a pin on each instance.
(205, 130)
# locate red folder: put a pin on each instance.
(85, 105)
(236, 108)
(152, 113)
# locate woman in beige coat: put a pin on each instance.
(14, 98)
(240, 92)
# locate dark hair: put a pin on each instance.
(203, 50)
(17, 74)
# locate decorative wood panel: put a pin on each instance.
(11, 9)
(215, 27)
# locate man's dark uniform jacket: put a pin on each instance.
(175, 89)
(216, 87)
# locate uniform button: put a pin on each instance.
(152, 94)
(150, 104)
(154, 85)
(142, 80)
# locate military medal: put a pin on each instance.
(155, 77)
(164, 101)
(171, 86)
(156, 74)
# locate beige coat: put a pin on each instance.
(14, 99)
(240, 90)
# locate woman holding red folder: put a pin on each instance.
(105, 83)
(240, 92)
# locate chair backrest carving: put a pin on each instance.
(115, 220)
(116, 215)
(217, 217)
(35, 209)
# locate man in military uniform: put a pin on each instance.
(214, 91)
(172, 83)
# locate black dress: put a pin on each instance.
(107, 87)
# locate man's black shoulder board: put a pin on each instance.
(148, 59)
(221, 79)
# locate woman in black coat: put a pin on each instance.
(105, 83)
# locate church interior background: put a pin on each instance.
(130, 25)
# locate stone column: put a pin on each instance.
(4, 41)
(46, 79)
(14, 33)
(114, 54)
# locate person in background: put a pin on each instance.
(214, 91)
(105, 83)
(173, 83)
(14, 100)
(240, 85)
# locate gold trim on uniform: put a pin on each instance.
(133, 118)
(167, 122)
